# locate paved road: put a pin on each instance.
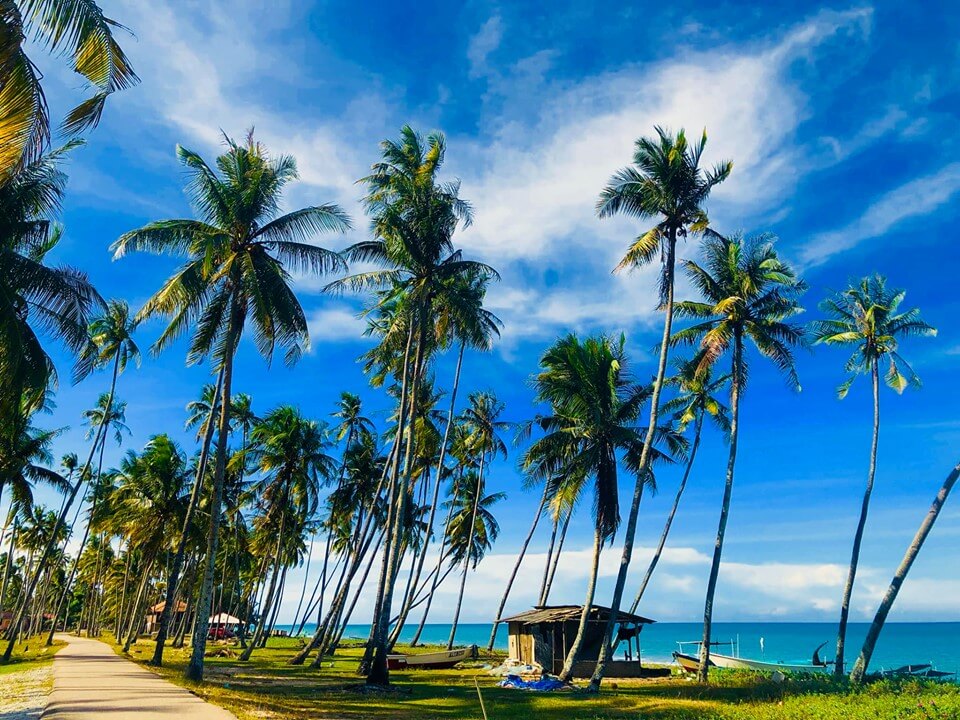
(91, 682)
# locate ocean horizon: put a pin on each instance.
(901, 643)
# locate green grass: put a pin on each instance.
(268, 687)
(30, 654)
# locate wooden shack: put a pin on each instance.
(152, 620)
(544, 635)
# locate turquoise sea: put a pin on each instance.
(900, 643)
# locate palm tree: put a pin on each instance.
(147, 508)
(202, 413)
(590, 431)
(239, 253)
(665, 182)
(414, 217)
(482, 422)
(863, 661)
(78, 30)
(291, 452)
(749, 294)
(471, 530)
(866, 316)
(695, 401)
(110, 344)
(36, 299)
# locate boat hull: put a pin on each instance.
(690, 663)
(431, 661)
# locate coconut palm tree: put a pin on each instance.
(471, 531)
(414, 217)
(239, 254)
(147, 508)
(481, 420)
(873, 634)
(594, 404)
(695, 401)
(78, 30)
(291, 453)
(36, 300)
(666, 183)
(110, 344)
(749, 295)
(867, 316)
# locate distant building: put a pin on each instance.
(153, 616)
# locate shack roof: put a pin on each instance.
(563, 613)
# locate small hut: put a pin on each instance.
(154, 613)
(544, 635)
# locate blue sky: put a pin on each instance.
(840, 121)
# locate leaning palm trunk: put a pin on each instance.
(136, 615)
(415, 575)
(267, 605)
(173, 578)
(65, 508)
(516, 568)
(673, 512)
(863, 662)
(643, 466)
(725, 506)
(435, 582)
(378, 674)
(194, 669)
(567, 672)
(547, 563)
(466, 558)
(555, 560)
(861, 524)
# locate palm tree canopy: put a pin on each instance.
(485, 526)
(748, 292)
(25, 457)
(239, 253)
(36, 299)
(114, 418)
(665, 182)
(150, 498)
(867, 316)
(594, 407)
(77, 29)
(111, 340)
(696, 397)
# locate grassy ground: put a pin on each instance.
(267, 687)
(29, 655)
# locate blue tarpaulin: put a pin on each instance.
(544, 684)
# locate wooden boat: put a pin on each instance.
(690, 662)
(920, 670)
(431, 661)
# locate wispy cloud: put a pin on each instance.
(914, 199)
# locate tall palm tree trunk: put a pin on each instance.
(136, 614)
(861, 524)
(567, 672)
(643, 467)
(68, 502)
(435, 581)
(736, 376)
(378, 674)
(267, 605)
(863, 661)
(173, 579)
(673, 512)
(466, 559)
(555, 559)
(546, 567)
(194, 670)
(516, 568)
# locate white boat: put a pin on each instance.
(434, 660)
(690, 661)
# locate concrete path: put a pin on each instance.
(92, 682)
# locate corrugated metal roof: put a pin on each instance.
(562, 613)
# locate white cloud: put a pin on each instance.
(482, 44)
(913, 199)
(335, 322)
